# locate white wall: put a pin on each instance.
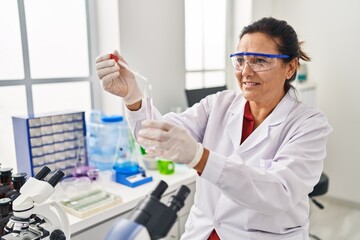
(108, 39)
(150, 35)
(152, 40)
(242, 16)
(331, 31)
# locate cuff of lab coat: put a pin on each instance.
(134, 118)
(214, 167)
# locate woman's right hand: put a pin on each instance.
(117, 80)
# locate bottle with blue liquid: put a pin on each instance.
(126, 160)
(108, 142)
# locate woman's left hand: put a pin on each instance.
(169, 141)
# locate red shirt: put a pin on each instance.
(248, 128)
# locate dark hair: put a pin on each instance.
(287, 40)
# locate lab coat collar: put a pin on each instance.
(278, 115)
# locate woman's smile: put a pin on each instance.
(247, 85)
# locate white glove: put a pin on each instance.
(169, 141)
(116, 79)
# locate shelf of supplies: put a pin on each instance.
(306, 85)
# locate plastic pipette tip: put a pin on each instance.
(125, 65)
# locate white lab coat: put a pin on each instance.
(259, 189)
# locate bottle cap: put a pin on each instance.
(5, 201)
(19, 177)
(5, 171)
(113, 118)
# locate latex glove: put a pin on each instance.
(117, 80)
(170, 141)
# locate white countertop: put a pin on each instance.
(131, 196)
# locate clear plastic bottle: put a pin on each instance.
(104, 142)
(93, 141)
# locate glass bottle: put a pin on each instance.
(127, 152)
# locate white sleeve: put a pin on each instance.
(134, 118)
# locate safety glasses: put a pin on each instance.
(259, 62)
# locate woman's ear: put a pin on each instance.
(292, 67)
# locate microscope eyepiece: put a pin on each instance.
(56, 178)
(44, 171)
(176, 202)
(159, 190)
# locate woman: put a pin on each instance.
(259, 153)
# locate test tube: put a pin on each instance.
(143, 84)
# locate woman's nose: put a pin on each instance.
(247, 71)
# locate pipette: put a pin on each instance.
(144, 85)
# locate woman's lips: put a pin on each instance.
(250, 84)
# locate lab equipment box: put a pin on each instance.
(56, 140)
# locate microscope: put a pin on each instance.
(151, 219)
(33, 216)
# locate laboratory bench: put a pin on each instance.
(97, 225)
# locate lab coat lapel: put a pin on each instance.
(234, 127)
(278, 115)
(257, 136)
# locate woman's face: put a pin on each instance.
(267, 87)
